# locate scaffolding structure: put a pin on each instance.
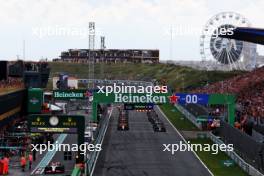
(102, 57)
(91, 54)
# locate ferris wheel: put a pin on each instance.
(221, 53)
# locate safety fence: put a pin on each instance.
(92, 157)
(236, 158)
(245, 145)
(225, 131)
(188, 115)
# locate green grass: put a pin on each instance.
(177, 77)
(214, 162)
(177, 119)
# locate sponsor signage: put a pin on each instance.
(53, 130)
(132, 98)
(43, 123)
(137, 98)
(55, 124)
(34, 100)
(228, 163)
(184, 98)
(35, 97)
(71, 94)
(139, 106)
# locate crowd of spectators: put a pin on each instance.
(249, 91)
(15, 146)
(11, 83)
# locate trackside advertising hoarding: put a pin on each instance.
(160, 98)
(71, 94)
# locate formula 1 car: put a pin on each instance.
(54, 168)
(159, 127)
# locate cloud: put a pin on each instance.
(127, 23)
(82, 11)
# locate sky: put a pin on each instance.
(48, 27)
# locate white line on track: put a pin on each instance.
(184, 139)
(39, 169)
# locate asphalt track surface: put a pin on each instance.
(59, 156)
(70, 139)
(139, 151)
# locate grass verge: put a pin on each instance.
(213, 161)
(177, 119)
(179, 78)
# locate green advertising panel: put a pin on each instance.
(221, 99)
(35, 100)
(55, 123)
(163, 98)
(70, 94)
(155, 98)
(41, 123)
(225, 99)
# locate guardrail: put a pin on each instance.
(188, 115)
(39, 169)
(233, 155)
(237, 159)
(91, 161)
(76, 172)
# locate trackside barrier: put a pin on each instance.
(188, 115)
(76, 172)
(237, 159)
(91, 161)
(233, 155)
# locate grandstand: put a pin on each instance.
(9, 81)
(11, 84)
(110, 56)
(249, 90)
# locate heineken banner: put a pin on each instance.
(71, 94)
(35, 100)
(163, 98)
(154, 98)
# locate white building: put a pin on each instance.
(72, 82)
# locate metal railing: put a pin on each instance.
(91, 161)
(232, 154)
(188, 115)
(237, 159)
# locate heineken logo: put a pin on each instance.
(68, 95)
(34, 100)
(228, 163)
(121, 93)
(72, 94)
(135, 98)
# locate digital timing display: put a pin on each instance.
(142, 106)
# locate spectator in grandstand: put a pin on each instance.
(30, 159)
(11, 83)
(23, 162)
(249, 91)
(6, 164)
